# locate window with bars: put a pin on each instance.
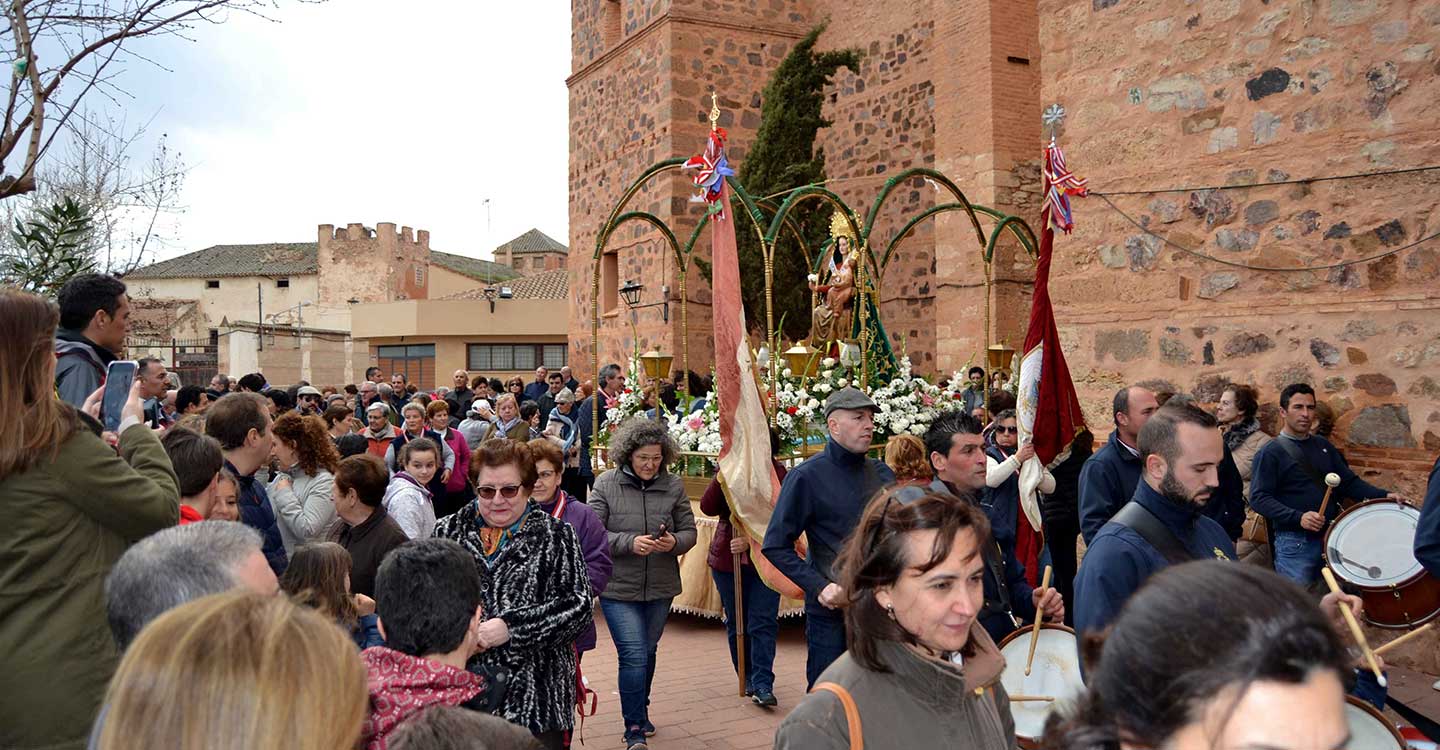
(482, 357)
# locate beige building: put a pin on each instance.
(284, 309)
(533, 252)
(497, 330)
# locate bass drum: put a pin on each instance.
(1369, 729)
(1371, 547)
(1055, 673)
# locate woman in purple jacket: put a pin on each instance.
(549, 468)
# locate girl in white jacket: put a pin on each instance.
(406, 499)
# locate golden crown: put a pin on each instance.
(840, 227)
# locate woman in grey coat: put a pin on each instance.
(920, 670)
(649, 525)
(300, 492)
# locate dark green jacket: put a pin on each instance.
(66, 523)
(920, 703)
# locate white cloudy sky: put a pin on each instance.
(366, 111)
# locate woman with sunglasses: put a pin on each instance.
(650, 525)
(1003, 457)
(535, 590)
(920, 670)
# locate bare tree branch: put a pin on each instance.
(91, 36)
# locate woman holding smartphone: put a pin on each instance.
(649, 524)
(73, 506)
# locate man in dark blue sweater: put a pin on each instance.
(241, 422)
(823, 499)
(1108, 479)
(1289, 496)
(1427, 534)
(1181, 450)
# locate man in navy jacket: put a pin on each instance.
(1289, 497)
(1181, 450)
(1427, 534)
(823, 498)
(1108, 479)
(957, 453)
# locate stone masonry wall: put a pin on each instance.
(372, 266)
(1224, 92)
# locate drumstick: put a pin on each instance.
(1355, 630)
(1029, 698)
(1392, 644)
(1332, 481)
(1035, 631)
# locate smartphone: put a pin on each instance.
(661, 533)
(119, 376)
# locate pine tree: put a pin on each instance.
(783, 157)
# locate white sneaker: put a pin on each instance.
(1436, 686)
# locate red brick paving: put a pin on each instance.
(694, 703)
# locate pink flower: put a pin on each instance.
(695, 422)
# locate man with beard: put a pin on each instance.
(1180, 453)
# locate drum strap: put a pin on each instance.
(1425, 724)
(1293, 450)
(1136, 517)
(852, 712)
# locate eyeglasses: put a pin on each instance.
(1008, 430)
(508, 491)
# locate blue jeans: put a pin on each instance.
(1297, 555)
(762, 612)
(824, 640)
(636, 628)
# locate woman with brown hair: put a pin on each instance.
(920, 670)
(319, 577)
(534, 589)
(905, 455)
(300, 490)
(516, 387)
(72, 507)
(337, 420)
(368, 532)
(237, 671)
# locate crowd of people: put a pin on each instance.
(376, 565)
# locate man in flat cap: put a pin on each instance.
(823, 499)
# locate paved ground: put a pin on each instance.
(694, 703)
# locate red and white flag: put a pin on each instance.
(746, 472)
(1048, 409)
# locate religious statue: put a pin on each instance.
(833, 317)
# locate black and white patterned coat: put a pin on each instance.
(539, 587)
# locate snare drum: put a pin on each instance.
(1054, 673)
(1371, 546)
(1369, 729)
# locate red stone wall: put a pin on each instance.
(934, 81)
(1226, 93)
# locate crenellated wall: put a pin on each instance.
(380, 265)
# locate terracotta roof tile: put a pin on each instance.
(268, 259)
(548, 285)
(533, 241)
(475, 268)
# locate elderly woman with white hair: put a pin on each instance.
(649, 525)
